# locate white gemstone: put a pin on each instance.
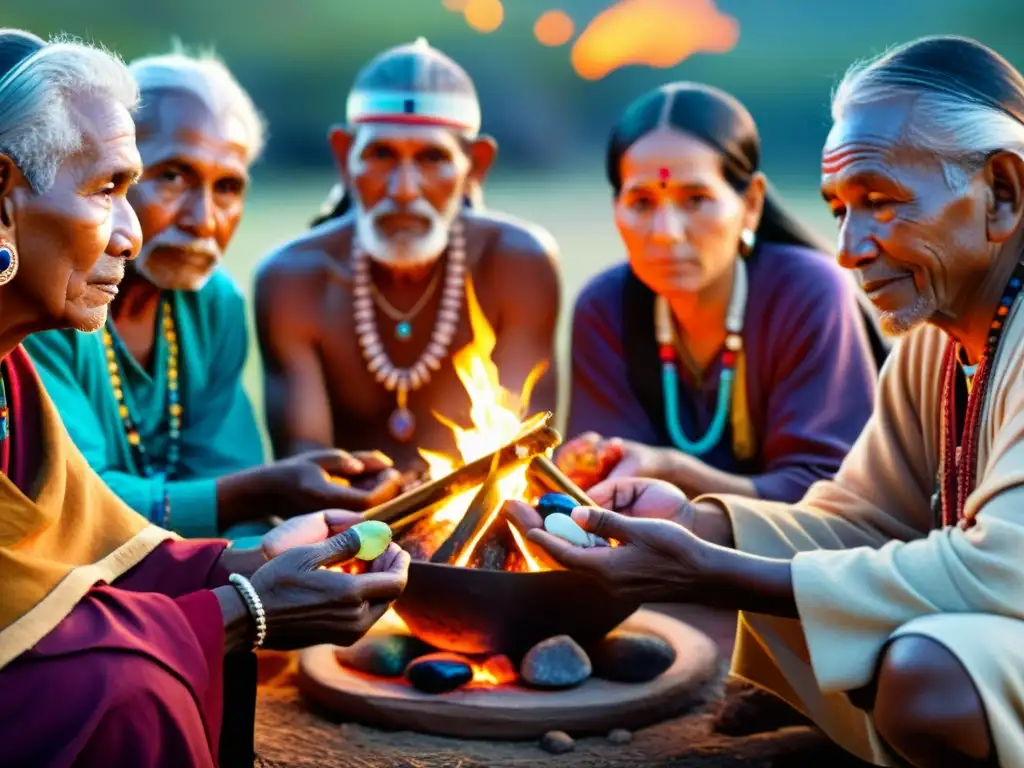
(379, 361)
(432, 362)
(363, 315)
(374, 349)
(362, 328)
(566, 528)
(415, 382)
(447, 327)
(392, 380)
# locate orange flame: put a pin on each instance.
(656, 33)
(497, 419)
(497, 670)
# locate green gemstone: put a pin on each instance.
(374, 537)
(403, 331)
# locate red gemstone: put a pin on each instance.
(666, 353)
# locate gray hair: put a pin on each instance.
(954, 121)
(208, 79)
(39, 129)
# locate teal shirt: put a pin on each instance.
(219, 434)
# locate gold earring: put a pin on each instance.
(748, 238)
(8, 262)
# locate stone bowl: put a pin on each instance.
(473, 611)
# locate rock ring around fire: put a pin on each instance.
(595, 707)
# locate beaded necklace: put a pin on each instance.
(5, 419)
(963, 397)
(174, 408)
(666, 334)
(402, 381)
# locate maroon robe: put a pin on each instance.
(133, 676)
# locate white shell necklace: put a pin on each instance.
(402, 423)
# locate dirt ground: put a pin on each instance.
(289, 735)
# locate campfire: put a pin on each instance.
(480, 611)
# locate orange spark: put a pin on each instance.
(656, 33)
(553, 28)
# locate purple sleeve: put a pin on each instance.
(821, 382)
(601, 398)
(176, 568)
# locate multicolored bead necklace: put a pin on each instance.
(402, 381)
(958, 453)
(5, 418)
(666, 334)
(174, 408)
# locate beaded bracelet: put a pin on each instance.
(255, 606)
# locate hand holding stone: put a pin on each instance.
(307, 604)
(656, 561)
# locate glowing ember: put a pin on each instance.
(497, 419)
(497, 670)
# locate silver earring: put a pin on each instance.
(748, 239)
(8, 262)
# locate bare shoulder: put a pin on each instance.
(510, 238)
(304, 267)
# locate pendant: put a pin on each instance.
(403, 331)
(402, 425)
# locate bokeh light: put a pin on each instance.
(456, 6)
(655, 33)
(484, 15)
(553, 28)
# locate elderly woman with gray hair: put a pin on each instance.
(116, 637)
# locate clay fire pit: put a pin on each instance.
(489, 612)
(513, 711)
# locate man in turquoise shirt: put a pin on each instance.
(155, 400)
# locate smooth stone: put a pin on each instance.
(550, 503)
(374, 537)
(557, 662)
(382, 655)
(619, 737)
(439, 672)
(557, 742)
(631, 657)
(402, 424)
(565, 527)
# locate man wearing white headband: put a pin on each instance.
(358, 317)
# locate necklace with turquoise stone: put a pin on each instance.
(666, 335)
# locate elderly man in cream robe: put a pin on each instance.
(888, 605)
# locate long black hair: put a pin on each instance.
(722, 122)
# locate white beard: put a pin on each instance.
(405, 253)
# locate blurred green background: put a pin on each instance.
(298, 60)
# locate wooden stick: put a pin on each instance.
(466, 477)
(547, 474)
(477, 516)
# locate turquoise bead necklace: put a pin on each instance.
(667, 338)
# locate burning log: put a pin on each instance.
(480, 514)
(545, 473)
(468, 476)
(492, 553)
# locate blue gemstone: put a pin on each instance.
(556, 502)
(6, 257)
(1015, 283)
(403, 331)
(402, 424)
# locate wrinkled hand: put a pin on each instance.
(657, 560)
(307, 529)
(332, 479)
(308, 605)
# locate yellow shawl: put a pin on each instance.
(73, 533)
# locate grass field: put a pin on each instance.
(574, 208)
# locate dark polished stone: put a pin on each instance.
(383, 655)
(631, 657)
(439, 672)
(550, 503)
